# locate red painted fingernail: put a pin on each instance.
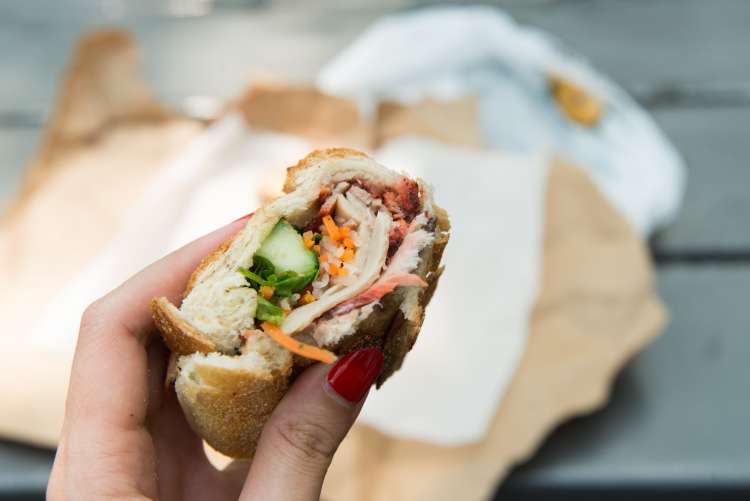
(352, 375)
(246, 216)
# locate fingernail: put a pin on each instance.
(246, 216)
(352, 375)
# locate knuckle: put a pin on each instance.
(95, 309)
(307, 439)
(93, 315)
(95, 319)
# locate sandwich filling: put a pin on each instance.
(314, 265)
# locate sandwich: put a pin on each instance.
(347, 258)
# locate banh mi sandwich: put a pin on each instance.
(348, 258)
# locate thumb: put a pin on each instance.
(306, 428)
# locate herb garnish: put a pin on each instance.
(269, 312)
(284, 284)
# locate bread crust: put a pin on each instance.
(402, 333)
(229, 407)
(314, 157)
(178, 335)
(221, 249)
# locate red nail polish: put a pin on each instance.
(246, 216)
(352, 375)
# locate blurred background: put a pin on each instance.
(679, 418)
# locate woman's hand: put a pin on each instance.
(125, 437)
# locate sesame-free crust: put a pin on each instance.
(229, 407)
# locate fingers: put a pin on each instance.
(166, 277)
(104, 432)
(110, 357)
(300, 438)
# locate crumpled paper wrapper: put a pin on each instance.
(104, 142)
(591, 317)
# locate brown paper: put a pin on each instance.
(326, 121)
(105, 139)
(592, 315)
(102, 87)
(453, 122)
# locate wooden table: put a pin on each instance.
(679, 417)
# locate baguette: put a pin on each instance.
(230, 375)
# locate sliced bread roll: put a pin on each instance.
(348, 258)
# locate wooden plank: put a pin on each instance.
(23, 471)
(678, 415)
(716, 207)
(215, 55)
(669, 57)
(649, 46)
(644, 44)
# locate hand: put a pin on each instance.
(125, 437)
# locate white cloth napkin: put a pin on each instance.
(476, 325)
(448, 52)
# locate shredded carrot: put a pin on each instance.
(344, 230)
(334, 269)
(323, 258)
(333, 230)
(301, 349)
(349, 243)
(343, 272)
(307, 298)
(316, 248)
(266, 291)
(308, 242)
(347, 255)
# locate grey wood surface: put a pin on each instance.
(678, 416)
(714, 143)
(679, 412)
(23, 471)
(686, 60)
(648, 44)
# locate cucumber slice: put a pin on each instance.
(286, 250)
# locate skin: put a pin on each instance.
(125, 437)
